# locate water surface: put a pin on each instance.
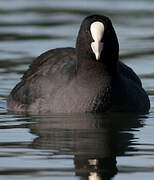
(78, 146)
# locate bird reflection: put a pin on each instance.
(94, 140)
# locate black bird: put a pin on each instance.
(88, 78)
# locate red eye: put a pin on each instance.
(87, 31)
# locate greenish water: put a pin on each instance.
(77, 146)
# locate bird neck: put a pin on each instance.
(86, 59)
(86, 62)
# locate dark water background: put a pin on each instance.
(79, 146)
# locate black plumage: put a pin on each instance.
(68, 80)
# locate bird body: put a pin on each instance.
(88, 78)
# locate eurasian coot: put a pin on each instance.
(88, 78)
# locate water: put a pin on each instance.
(77, 146)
